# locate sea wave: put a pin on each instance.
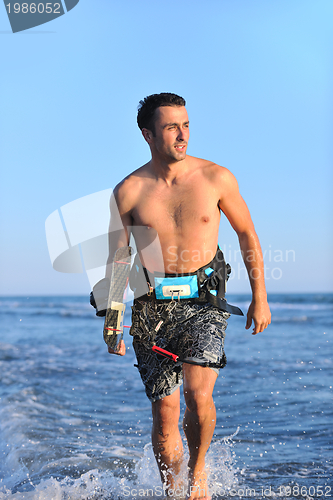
(79, 307)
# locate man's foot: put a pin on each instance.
(176, 484)
(198, 487)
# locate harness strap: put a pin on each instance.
(176, 359)
(223, 304)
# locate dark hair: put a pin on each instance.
(150, 103)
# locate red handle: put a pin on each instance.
(165, 353)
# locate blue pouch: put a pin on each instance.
(182, 287)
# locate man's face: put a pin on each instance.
(171, 133)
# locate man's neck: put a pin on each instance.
(169, 171)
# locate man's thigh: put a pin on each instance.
(160, 376)
(198, 382)
(166, 411)
(202, 337)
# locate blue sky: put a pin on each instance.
(257, 78)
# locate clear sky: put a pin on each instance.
(257, 78)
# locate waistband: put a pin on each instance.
(206, 284)
(156, 278)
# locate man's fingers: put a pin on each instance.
(261, 317)
(112, 351)
(120, 350)
(256, 329)
(259, 328)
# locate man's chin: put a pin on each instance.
(179, 156)
(174, 157)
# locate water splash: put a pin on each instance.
(139, 483)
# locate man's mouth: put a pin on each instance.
(180, 147)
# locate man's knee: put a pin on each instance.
(166, 411)
(198, 388)
(198, 400)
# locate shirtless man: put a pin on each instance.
(180, 198)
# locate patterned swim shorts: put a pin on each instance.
(193, 331)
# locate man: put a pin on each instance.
(173, 204)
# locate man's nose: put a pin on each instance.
(181, 134)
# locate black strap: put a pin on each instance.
(208, 364)
(222, 304)
(217, 281)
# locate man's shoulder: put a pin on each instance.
(211, 170)
(130, 187)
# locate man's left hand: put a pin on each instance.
(260, 314)
(120, 349)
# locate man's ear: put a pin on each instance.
(147, 134)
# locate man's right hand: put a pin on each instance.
(260, 314)
(120, 349)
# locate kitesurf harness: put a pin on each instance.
(207, 284)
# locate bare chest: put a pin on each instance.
(177, 210)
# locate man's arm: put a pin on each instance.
(234, 207)
(120, 222)
(119, 235)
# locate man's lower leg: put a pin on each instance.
(199, 429)
(166, 439)
(199, 424)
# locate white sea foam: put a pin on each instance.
(143, 482)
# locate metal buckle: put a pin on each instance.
(171, 305)
(172, 299)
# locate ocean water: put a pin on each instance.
(75, 422)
